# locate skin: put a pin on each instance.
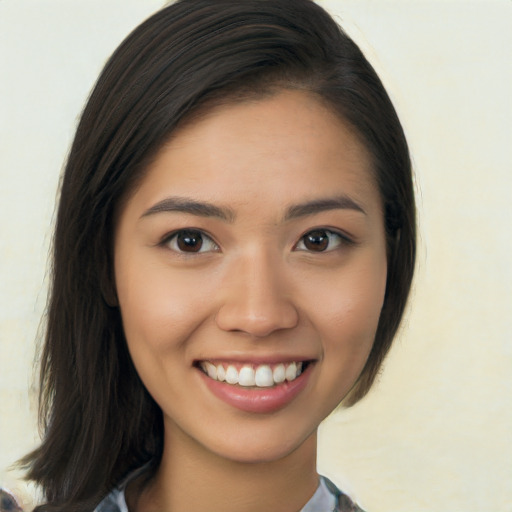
(255, 290)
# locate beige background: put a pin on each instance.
(436, 432)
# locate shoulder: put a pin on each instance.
(116, 502)
(8, 502)
(343, 502)
(113, 502)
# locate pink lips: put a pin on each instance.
(258, 400)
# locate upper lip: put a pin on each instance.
(256, 359)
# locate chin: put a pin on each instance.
(264, 448)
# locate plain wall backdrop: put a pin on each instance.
(435, 434)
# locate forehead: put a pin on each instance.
(286, 147)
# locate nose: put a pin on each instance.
(256, 299)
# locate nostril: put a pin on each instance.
(256, 320)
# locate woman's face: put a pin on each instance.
(252, 251)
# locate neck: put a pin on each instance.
(192, 479)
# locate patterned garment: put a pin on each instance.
(327, 498)
(8, 502)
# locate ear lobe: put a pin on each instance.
(109, 294)
(108, 288)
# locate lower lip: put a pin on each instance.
(258, 400)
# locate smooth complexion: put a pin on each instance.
(255, 237)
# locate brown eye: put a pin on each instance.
(191, 241)
(319, 240)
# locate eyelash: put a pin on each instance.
(172, 241)
(319, 233)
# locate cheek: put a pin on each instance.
(160, 311)
(159, 308)
(351, 313)
(358, 293)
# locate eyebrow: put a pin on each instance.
(190, 206)
(204, 209)
(321, 205)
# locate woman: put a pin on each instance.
(233, 252)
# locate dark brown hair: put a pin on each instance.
(99, 421)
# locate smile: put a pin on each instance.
(256, 387)
(249, 375)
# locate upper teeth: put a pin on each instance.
(262, 376)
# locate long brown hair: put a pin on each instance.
(99, 421)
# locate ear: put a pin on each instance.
(108, 287)
(110, 296)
